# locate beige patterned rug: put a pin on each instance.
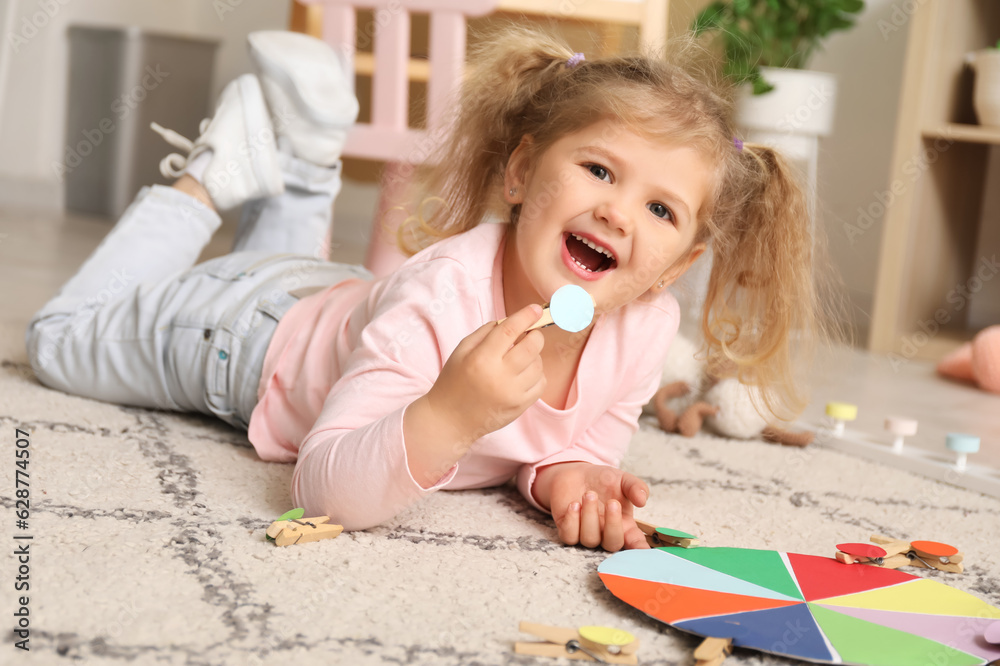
(148, 544)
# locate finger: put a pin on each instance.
(634, 538)
(525, 351)
(508, 330)
(635, 489)
(614, 533)
(590, 521)
(569, 525)
(473, 340)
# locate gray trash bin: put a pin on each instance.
(120, 80)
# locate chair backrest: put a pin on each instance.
(388, 136)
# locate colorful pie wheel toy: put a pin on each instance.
(807, 607)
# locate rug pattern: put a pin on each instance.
(148, 543)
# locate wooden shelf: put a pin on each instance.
(963, 132)
(932, 232)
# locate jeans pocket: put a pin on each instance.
(222, 348)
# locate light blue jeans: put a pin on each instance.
(138, 325)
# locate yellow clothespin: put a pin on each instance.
(657, 537)
(713, 651)
(601, 644)
(895, 553)
(292, 528)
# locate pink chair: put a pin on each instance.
(388, 136)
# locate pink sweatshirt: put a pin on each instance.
(345, 362)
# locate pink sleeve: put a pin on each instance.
(606, 441)
(352, 465)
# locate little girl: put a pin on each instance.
(611, 174)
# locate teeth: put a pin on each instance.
(595, 246)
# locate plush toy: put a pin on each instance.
(688, 399)
(977, 361)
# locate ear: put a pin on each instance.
(516, 172)
(679, 267)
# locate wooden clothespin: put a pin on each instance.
(924, 554)
(861, 553)
(601, 644)
(713, 651)
(292, 528)
(658, 537)
(895, 553)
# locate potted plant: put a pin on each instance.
(766, 45)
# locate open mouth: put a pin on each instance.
(588, 255)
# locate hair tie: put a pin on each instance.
(575, 60)
(738, 143)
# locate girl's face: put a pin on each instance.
(635, 199)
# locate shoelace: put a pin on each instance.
(173, 165)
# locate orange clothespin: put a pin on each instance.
(713, 651)
(601, 644)
(292, 528)
(658, 537)
(895, 553)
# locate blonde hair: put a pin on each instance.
(763, 305)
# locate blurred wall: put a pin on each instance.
(854, 162)
(853, 167)
(36, 49)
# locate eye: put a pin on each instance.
(598, 171)
(661, 211)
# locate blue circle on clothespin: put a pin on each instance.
(962, 443)
(572, 308)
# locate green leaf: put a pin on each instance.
(840, 23)
(294, 514)
(782, 33)
(713, 17)
(760, 86)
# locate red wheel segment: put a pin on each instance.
(861, 550)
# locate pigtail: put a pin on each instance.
(762, 308)
(465, 173)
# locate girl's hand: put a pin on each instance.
(493, 375)
(592, 505)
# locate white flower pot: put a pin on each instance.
(986, 92)
(802, 102)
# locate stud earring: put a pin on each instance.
(659, 285)
(513, 191)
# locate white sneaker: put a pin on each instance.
(244, 161)
(309, 91)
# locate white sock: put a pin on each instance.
(196, 168)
